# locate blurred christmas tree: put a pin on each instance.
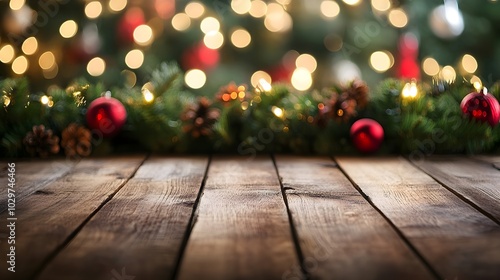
(310, 43)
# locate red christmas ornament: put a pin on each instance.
(367, 135)
(483, 107)
(107, 115)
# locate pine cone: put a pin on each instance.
(344, 105)
(41, 142)
(232, 92)
(76, 141)
(358, 91)
(199, 118)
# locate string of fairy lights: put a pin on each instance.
(276, 18)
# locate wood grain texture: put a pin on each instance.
(32, 176)
(242, 229)
(46, 219)
(457, 240)
(476, 181)
(341, 235)
(141, 229)
(494, 160)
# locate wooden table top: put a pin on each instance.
(282, 217)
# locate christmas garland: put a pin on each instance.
(405, 117)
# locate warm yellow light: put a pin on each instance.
(147, 94)
(469, 63)
(258, 76)
(306, 61)
(476, 82)
(275, 8)
(410, 90)
(30, 46)
(241, 6)
(195, 9)
(244, 105)
(381, 61)
(284, 2)
(195, 78)
(278, 21)
(68, 29)
(330, 9)
(209, 24)
(181, 22)
(6, 100)
(264, 85)
(448, 73)
(7, 53)
(258, 9)
(47, 60)
(213, 40)
(44, 100)
(134, 59)
(381, 5)
(430, 66)
(352, 2)
(143, 35)
(96, 66)
(16, 4)
(301, 79)
(241, 38)
(93, 9)
(20, 65)
(398, 18)
(278, 112)
(117, 5)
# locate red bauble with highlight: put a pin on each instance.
(367, 135)
(483, 107)
(106, 115)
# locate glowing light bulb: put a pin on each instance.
(410, 90)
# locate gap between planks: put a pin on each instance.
(338, 230)
(191, 223)
(48, 218)
(454, 237)
(242, 229)
(474, 180)
(73, 234)
(141, 229)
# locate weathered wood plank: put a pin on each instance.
(48, 218)
(341, 235)
(494, 160)
(242, 229)
(476, 181)
(32, 176)
(456, 239)
(140, 231)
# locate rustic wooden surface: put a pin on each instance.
(327, 198)
(242, 229)
(49, 217)
(286, 217)
(458, 241)
(35, 176)
(477, 182)
(140, 229)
